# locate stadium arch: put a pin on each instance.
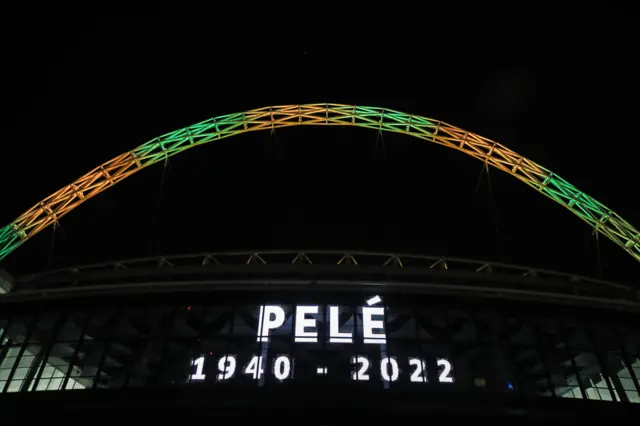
(52, 208)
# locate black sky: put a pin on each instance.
(82, 93)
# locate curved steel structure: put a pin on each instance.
(322, 270)
(56, 205)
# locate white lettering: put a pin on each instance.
(302, 322)
(374, 300)
(271, 317)
(384, 369)
(335, 336)
(282, 367)
(445, 376)
(360, 374)
(199, 364)
(369, 324)
(255, 368)
(419, 374)
(227, 367)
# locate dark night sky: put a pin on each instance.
(81, 94)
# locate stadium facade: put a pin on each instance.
(317, 333)
(341, 331)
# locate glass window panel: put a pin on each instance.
(568, 391)
(578, 338)
(10, 357)
(563, 367)
(3, 328)
(519, 332)
(218, 319)
(56, 366)
(490, 326)
(558, 334)
(587, 363)
(627, 384)
(116, 362)
(101, 323)
(85, 364)
(591, 387)
(605, 337)
(4, 373)
(177, 358)
(160, 319)
(55, 384)
(605, 394)
(204, 321)
(624, 372)
(72, 326)
(149, 355)
(591, 376)
(77, 384)
(549, 326)
(89, 356)
(531, 367)
(15, 385)
(129, 323)
(188, 321)
(8, 362)
(21, 373)
(24, 367)
(42, 384)
(201, 321)
(489, 367)
(28, 356)
(400, 324)
(431, 323)
(245, 321)
(592, 393)
(35, 374)
(146, 364)
(44, 326)
(630, 340)
(128, 375)
(622, 380)
(460, 327)
(18, 328)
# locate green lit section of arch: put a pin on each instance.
(55, 206)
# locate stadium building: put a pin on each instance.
(319, 334)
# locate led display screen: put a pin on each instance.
(326, 343)
(304, 340)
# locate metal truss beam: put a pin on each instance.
(337, 265)
(55, 206)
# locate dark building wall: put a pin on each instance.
(452, 347)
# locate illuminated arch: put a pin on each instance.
(56, 205)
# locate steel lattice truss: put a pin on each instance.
(52, 208)
(326, 269)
